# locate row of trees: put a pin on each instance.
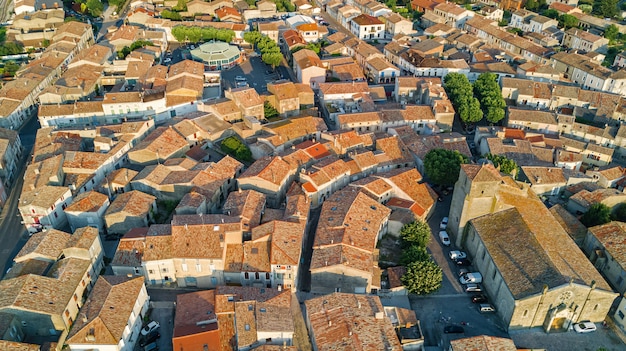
(270, 52)
(423, 275)
(473, 102)
(196, 34)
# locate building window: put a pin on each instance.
(620, 314)
(150, 271)
(595, 308)
(164, 270)
(185, 268)
(247, 327)
(525, 313)
(246, 275)
(198, 268)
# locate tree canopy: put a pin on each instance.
(443, 166)
(196, 34)
(506, 164)
(611, 32)
(236, 148)
(459, 90)
(488, 92)
(415, 233)
(606, 8)
(269, 110)
(597, 214)
(568, 21)
(95, 7)
(620, 213)
(412, 254)
(171, 15)
(422, 277)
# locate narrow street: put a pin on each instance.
(304, 276)
(13, 234)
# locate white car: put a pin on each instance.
(154, 325)
(457, 255)
(167, 59)
(445, 239)
(584, 327)
(444, 223)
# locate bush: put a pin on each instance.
(237, 149)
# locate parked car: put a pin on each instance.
(453, 329)
(473, 288)
(151, 347)
(486, 308)
(463, 262)
(445, 239)
(480, 298)
(150, 338)
(584, 327)
(463, 271)
(167, 60)
(152, 326)
(457, 255)
(240, 78)
(444, 223)
(473, 277)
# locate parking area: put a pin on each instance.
(451, 305)
(256, 73)
(162, 312)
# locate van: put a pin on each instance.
(445, 239)
(475, 278)
(151, 347)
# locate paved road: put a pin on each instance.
(13, 234)
(335, 25)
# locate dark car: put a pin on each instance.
(463, 262)
(453, 329)
(480, 298)
(150, 338)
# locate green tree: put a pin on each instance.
(489, 94)
(10, 68)
(532, 5)
(272, 58)
(551, 13)
(171, 15)
(506, 164)
(606, 8)
(612, 33)
(620, 213)
(568, 21)
(412, 254)
(422, 277)
(121, 54)
(252, 37)
(269, 110)
(140, 44)
(597, 214)
(180, 6)
(236, 148)
(459, 90)
(415, 233)
(443, 166)
(94, 7)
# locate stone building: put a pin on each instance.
(532, 270)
